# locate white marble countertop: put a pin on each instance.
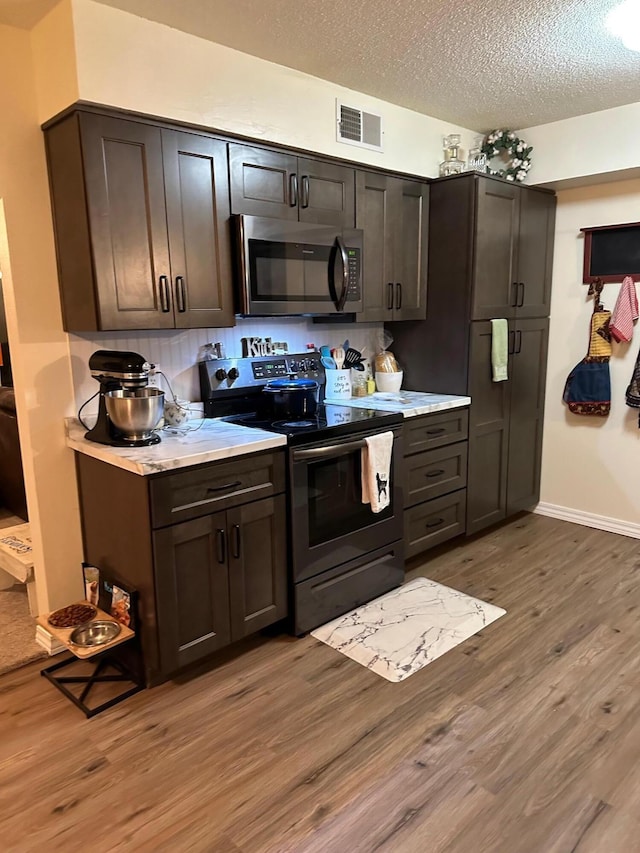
(410, 403)
(204, 441)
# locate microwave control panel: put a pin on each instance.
(353, 287)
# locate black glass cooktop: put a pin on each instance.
(330, 421)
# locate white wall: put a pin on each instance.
(130, 62)
(579, 148)
(39, 347)
(589, 464)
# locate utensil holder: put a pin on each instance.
(337, 384)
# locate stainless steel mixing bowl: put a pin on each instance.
(135, 411)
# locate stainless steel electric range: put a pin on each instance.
(341, 553)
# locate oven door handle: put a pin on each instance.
(328, 452)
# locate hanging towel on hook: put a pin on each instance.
(625, 311)
(499, 350)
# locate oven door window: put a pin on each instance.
(335, 499)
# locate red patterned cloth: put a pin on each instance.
(625, 312)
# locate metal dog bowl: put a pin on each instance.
(95, 633)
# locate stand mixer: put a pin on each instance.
(128, 410)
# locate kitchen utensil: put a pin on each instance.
(135, 411)
(345, 345)
(293, 398)
(328, 363)
(338, 357)
(357, 366)
(95, 633)
(325, 352)
(352, 357)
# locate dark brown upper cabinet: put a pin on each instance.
(271, 183)
(513, 249)
(141, 225)
(393, 213)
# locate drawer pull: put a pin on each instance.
(225, 487)
(435, 523)
(438, 431)
(435, 473)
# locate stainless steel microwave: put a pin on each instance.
(285, 268)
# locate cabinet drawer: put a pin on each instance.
(211, 488)
(429, 431)
(435, 472)
(433, 522)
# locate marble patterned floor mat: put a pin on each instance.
(400, 632)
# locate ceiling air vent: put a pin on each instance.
(355, 127)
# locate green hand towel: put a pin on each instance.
(499, 349)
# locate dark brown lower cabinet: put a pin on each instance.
(218, 579)
(435, 479)
(209, 579)
(505, 427)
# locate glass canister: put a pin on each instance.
(358, 384)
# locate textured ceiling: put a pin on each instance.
(481, 65)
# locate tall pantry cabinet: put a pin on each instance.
(490, 256)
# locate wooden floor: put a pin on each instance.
(524, 738)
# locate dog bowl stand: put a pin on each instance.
(101, 657)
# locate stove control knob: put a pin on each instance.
(233, 374)
(293, 366)
(221, 374)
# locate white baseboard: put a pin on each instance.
(589, 519)
(48, 642)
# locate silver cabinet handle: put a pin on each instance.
(165, 298)
(181, 294)
(305, 191)
(293, 190)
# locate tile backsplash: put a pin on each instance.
(176, 352)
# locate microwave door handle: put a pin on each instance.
(340, 303)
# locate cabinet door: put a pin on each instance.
(535, 252)
(257, 565)
(263, 183)
(495, 264)
(326, 193)
(488, 433)
(412, 220)
(527, 409)
(192, 590)
(374, 215)
(126, 207)
(197, 193)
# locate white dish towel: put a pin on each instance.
(376, 467)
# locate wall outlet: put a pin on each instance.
(154, 376)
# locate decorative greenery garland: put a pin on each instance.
(499, 141)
